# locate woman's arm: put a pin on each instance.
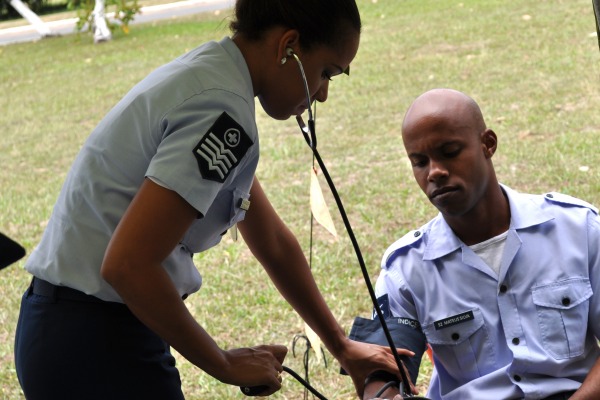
(151, 228)
(277, 249)
(590, 388)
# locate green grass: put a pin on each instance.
(536, 79)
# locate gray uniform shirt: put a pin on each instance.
(190, 127)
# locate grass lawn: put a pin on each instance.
(531, 64)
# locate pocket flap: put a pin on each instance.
(563, 294)
(454, 329)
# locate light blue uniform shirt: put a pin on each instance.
(530, 331)
(154, 132)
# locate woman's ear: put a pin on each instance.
(489, 142)
(289, 39)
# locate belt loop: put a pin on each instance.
(30, 288)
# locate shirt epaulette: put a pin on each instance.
(565, 199)
(409, 239)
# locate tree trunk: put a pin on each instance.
(101, 30)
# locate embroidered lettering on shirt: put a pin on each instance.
(221, 148)
(454, 320)
(410, 322)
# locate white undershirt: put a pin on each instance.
(491, 251)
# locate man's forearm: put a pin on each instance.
(590, 389)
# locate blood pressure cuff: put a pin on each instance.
(10, 251)
(406, 334)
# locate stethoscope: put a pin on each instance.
(310, 136)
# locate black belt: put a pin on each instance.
(561, 395)
(47, 289)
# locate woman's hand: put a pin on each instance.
(360, 360)
(254, 366)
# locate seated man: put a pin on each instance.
(504, 285)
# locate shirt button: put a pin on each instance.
(566, 301)
(516, 341)
(503, 288)
(517, 378)
(455, 336)
(417, 234)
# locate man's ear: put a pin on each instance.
(489, 142)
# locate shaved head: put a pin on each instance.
(446, 109)
(450, 150)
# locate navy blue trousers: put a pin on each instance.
(68, 348)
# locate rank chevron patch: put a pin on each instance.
(221, 148)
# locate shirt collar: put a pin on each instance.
(524, 213)
(238, 60)
(525, 210)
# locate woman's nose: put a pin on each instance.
(321, 95)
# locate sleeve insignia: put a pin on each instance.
(221, 148)
(384, 305)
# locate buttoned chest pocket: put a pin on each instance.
(562, 310)
(227, 209)
(461, 346)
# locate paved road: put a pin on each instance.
(28, 33)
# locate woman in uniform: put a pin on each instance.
(166, 172)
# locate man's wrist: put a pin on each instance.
(381, 384)
(382, 376)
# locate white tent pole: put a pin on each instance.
(31, 17)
